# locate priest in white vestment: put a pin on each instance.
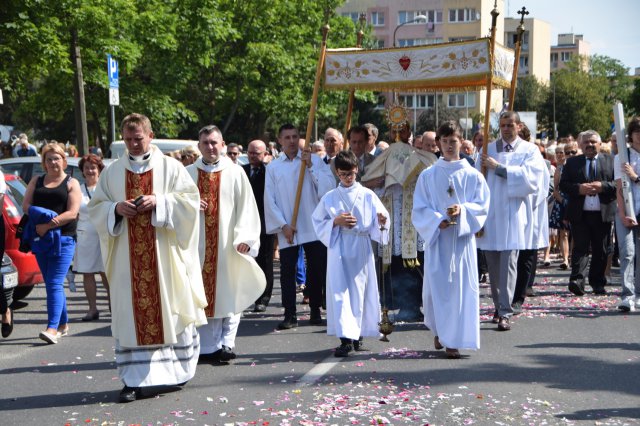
(515, 170)
(450, 292)
(345, 220)
(392, 176)
(144, 209)
(229, 236)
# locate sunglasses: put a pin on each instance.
(570, 152)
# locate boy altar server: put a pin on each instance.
(345, 220)
(229, 236)
(450, 205)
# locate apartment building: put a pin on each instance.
(568, 46)
(536, 46)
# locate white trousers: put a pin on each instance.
(218, 332)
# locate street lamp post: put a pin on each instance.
(416, 19)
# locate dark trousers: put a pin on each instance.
(265, 262)
(6, 296)
(527, 265)
(590, 231)
(403, 287)
(316, 254)
(482, 263)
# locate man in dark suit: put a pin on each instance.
(255, 169)
(588, 181)
(358, 144)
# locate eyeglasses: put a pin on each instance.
(232, 153)
(570, 152)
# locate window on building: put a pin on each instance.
(463, 15)
(407, 42)
(406, 100)
(410, 15)
(554, 57)
(461, 100)
(461, 38)
(434, 16)
(381, 101)
(433, 40)
(354, 16)
(524, 61)
(377, 19)
(565, 56)
(380, 44)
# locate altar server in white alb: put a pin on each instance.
(145, 209)
(450, 205)
(515, 171)
(229, 237)
(345, 220)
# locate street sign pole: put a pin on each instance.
(114, 93)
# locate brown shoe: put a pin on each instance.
(452, 353)
(437, 344)
(503, 324)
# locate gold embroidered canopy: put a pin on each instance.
(463, 65)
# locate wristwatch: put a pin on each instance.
(637, 179)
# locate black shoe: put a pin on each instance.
(7, 329)
(600, 291)
(517, 308)
(531, 292)
(289, 322)
(576, 288)
(358, 345)
(226, 354)
(316, 317)
(343, 350)
(615, 262)
(483, 278)
(259, 308)
(128, 394)
(503, 324)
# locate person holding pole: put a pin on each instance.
(627, 225)
(515, 171)
(279, 201)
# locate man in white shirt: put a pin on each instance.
(279, 198)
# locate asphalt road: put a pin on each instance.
(567, 360)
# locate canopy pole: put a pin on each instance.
(352, 92)
(487, 108)
(312, 116)
(516, 64)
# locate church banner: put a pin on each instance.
(451, 66)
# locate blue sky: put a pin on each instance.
(611, 27)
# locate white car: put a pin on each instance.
(166, 145)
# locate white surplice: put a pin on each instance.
(450, 290)
(239, 279)
(353, 304)
(508, 225)
(280, 188)
(182, 297)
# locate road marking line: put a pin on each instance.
(322, 368)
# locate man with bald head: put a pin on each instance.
(429, 143)
(333, 143)
(256, 172)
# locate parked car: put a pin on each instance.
(26, 167)
(25, 263)
(9, 273)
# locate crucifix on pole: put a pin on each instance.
(514, 79)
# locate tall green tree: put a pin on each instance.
(530, 94)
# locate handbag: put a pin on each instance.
(25, 246)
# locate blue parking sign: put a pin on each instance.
(112, 71)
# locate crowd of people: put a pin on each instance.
(412, 226)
